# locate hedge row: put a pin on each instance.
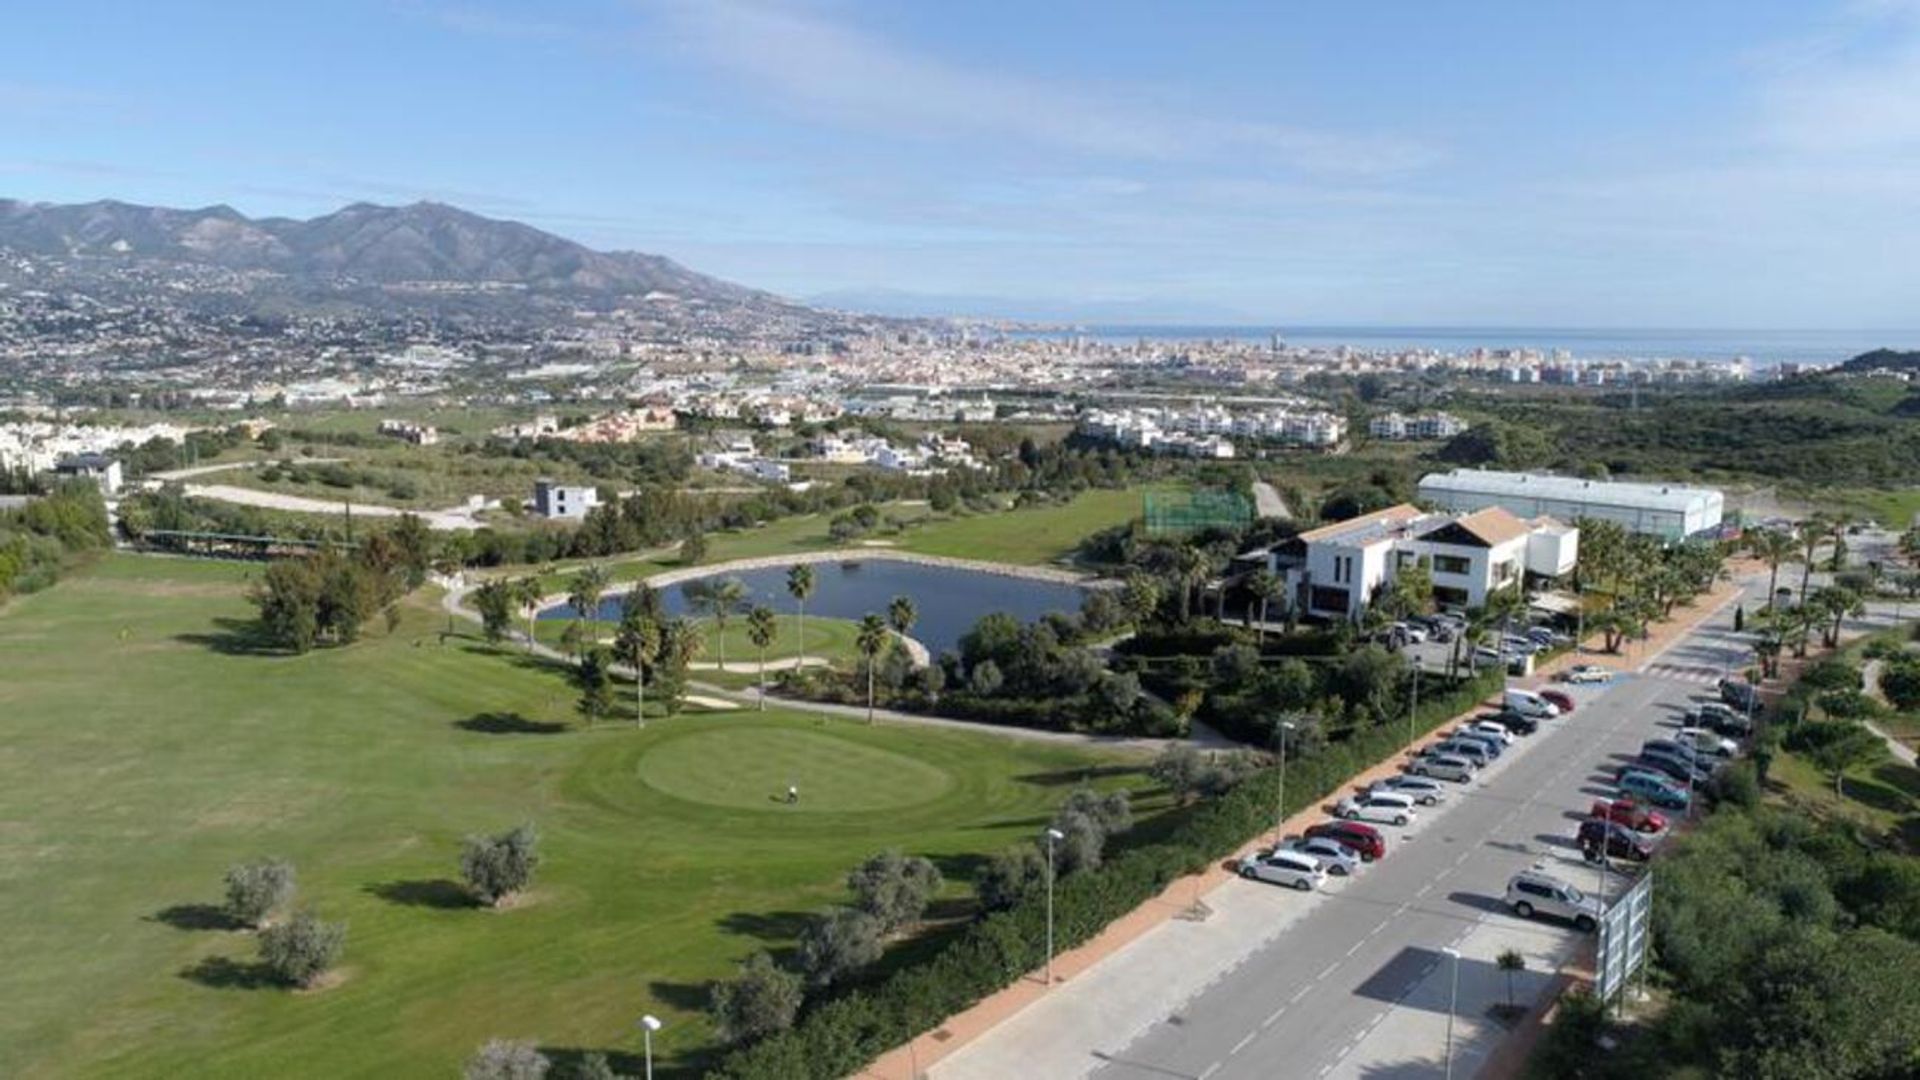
(840, 1037)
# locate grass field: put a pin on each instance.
(148, 749)
(828, 639)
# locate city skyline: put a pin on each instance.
(1720, 165)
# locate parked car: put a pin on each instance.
(1335, 857)
(1559, 699)
(1528, 703)
(1386, 808)
(1675, 754)
(1473, 750)
(1580, 674)
(1410, 633)
(1290, 868)
(1654, 788)
(1622, 842)
(1534, 892)
(1676, 772)
(1709, 743)
(1632, 814)
(1365, 840)
(1488, 727)
(1512, 721)
(1738, 693)
(1495, 744)
(1484, 655)
(1425, 791)
(1442, 767)
(1720, 717)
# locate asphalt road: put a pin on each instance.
(1316, 998)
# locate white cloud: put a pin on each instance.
(841, 75)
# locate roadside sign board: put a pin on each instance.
(1626, 931)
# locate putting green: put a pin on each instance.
(750, 767)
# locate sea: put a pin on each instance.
(1763, 347)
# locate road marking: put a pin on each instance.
(1241, 1045)
(1297, 995)
(1210, 1070)
(1330, 970)
(1355, 947)
(1275, 1015)
(1424, 889)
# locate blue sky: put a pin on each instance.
(1740, 163)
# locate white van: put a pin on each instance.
(1528, 703)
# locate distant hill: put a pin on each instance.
(424, 241)
(1883, 360)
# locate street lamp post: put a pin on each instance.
(1280, 784)
(1052, 835)
(1453, 1005)
(648, 1025)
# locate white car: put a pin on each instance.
(1488, 727)
(1425, 791)
(1385, 807)
(1588, 673)
(1290, 868)
(1410, 633)
(1704, 741)
(1443, 767)
(1335, 857)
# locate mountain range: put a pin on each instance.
(421, 242)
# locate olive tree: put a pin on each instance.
(255, 890)
(301, 949)
(762, 999)
(839, 942)
(496, 867)
(507, 1059)
(1011, 876)
(894, 888)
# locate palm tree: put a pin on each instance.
(902, 614)
(1141, 597)
(527, 595)
(800, 585)
(872, 638)
(723, 599)
(1812, 531)
(637, 642)
(1837, 603)
(1837, 527)
(1263, 584)
(583, 595)
(1772, 547)
(1190, 567)
(761, 630)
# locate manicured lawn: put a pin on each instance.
(147, 749)
(1040, 534)
(828, 639)
(1884, 796)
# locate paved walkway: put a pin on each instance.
(448, 520)
(1870, 674)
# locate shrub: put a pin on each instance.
(1011, 877)
(759, 1001)
(507, 1059)
(301, 949)
(497, 867)
(257, 889)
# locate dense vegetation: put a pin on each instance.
(41, 538)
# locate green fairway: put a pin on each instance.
(147, 749)
(1040, 534)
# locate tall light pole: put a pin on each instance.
(648, 1025)
(1280, 785)
(1453, 1005)
(1053, 834)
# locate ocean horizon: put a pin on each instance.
(1587, 343)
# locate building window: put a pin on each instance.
(1325, 598)
(1451, 564)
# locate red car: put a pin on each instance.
(1559, 699)
(1629, 813)
(1364, 839)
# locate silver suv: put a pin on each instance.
(1533, 892)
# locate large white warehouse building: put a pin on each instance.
(1667, 511)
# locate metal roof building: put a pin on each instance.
(1668, 511)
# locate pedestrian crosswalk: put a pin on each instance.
(1688, 673)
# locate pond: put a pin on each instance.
(950, 599)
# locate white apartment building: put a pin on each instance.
(1668, 511)
(1433, 425)
(563, 501)
(1336, 571)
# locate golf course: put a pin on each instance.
(151, 744)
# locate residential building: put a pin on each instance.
(1337, 571)
(1668, 511)
(415, 433)
(99, 468)
(563, 501)
(1433, 425)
